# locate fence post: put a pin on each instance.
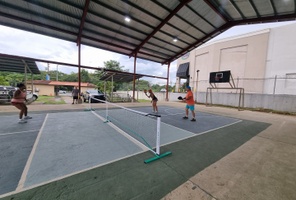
(274, 85)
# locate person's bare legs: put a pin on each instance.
(21, 108)
(186, 111)
(193, 114)
(154, 104)
(25, 108)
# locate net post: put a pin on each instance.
(107, 120)
(89, 105)
(158, 136)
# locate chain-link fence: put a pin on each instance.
(272, 85)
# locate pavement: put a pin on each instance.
(263, 167)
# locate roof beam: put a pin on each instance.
(100, 3)
(273, 7)
(78, 40)
(182, 31)
(220, 11)
(36, 23)
(221, 29)
(255, 9)
(74, 65)
(231, 24)
(182, 3)
(199, 15)
(238, 9)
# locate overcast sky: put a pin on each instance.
(22, 43)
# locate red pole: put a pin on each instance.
(134, 79)
(79, 67)
(167, 85)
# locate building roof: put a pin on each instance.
(18, 65)
(61, 83)
(120, 77)
(153, 25)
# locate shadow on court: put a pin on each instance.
(71, 142)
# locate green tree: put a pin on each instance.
(111, 65)
(85, 76)
(3, 81)
(13, 78)
(73, 77)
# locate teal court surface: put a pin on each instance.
(77, 155)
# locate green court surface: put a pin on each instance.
(130, 178)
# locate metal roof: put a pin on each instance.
(153, 27)
(18, 65)
(120, 77)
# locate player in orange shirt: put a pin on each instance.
(190, 103)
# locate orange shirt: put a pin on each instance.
(189, 95)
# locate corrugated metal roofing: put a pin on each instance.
(18, 65)
(153, 26)
(119, 77)
(61, 83)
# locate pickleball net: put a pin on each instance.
(143, 127)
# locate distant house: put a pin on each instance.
(49, 88)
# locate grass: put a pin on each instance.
(50, 100)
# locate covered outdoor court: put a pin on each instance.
(77, 151)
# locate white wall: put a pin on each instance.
(244, 56)
(256, 57)
(281, 59)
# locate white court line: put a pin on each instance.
(2, 134)
(198, 134)
(133, 140)
(29, 161)
(169, 113)
(66, 176)
(172, 114)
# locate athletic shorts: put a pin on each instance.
(190, 107)
(75, 97)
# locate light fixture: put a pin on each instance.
(127, 19)
(175, 39)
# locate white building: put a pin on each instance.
(262, 62)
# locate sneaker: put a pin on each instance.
(193, 120)
(185, 117)
(22, 121)
(27, 117)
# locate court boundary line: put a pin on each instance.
(102, 164)
(133, 140)
(68, 175)
(12, 133)
(198, 134)
(30, 159)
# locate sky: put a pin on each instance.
(22, 43)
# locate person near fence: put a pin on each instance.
(75, 93)
(154, 100)
(189, 104)
(18, 100)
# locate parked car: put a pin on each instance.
(62, 92)
(32, 96)
(6, 94)
(97, 94)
